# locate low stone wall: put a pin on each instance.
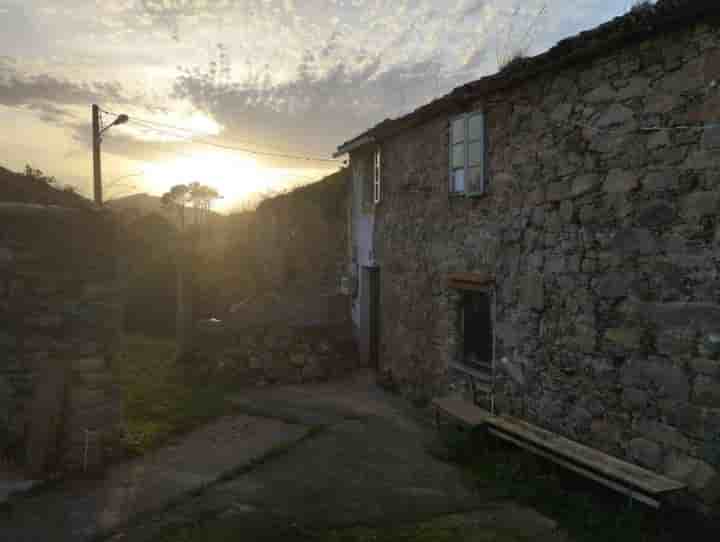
(277, 353)
(60, 308)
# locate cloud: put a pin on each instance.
(319, 107)
(56, 99)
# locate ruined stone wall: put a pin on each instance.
(603, 236)
(294, 247)
(60, 312)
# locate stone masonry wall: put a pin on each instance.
(603, 235)
(288, 322)
(60, 308)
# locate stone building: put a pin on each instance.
(554, 226)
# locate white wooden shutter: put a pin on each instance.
(475, 153)
(377, 178)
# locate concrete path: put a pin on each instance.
(82, 510)
(298, 460)
(365, 464)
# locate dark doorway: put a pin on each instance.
(370, 316)
(477, 332)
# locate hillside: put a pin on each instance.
(18, 187)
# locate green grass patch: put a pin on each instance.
(162, 398)
(454, 528)
(588, 511)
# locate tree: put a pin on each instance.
(38, 175)
(179, 197)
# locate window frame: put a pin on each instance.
(468, 189)
(377, 176)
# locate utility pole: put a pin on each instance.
(97, 169)
(97, 131)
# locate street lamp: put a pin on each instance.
(97, 131)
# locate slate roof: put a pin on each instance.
(640, 23)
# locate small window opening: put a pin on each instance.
(477, 329)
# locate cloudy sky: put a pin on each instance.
(280, 76)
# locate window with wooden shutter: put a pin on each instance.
(467, 154)
(377, 176)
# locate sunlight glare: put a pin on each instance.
(238, 178)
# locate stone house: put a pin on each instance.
(554, 227)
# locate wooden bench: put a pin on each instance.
(634, 481)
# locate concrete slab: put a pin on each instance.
(81, 510)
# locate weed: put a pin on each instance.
(160, 400)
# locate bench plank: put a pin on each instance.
(578, 469)
(599, 466)
(462, 410)
(601, 462)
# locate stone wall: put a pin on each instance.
(60, 307)
(602, 235)
(285, 259)
(286, 320)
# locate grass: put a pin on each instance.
(162, 398)
(587, 511)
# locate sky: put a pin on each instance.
(277, 77)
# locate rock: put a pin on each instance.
(44, 321)
(634, 240)
(637, 87)
(705, 316)
(626, 337)
(702, 159)
(658, 213)
(663, 434)
(579, 419)
(298, 360)
(634, 398)
(621, 181)
(582, 338)
(585, 183)
(645, 452)
(710, 139)
(705, 366)
(557, 191)
(694, 472)
(699, 204)
(538, 216)
(706, 391)
(658, 139)
(6, 257)
(532, 291)
(614, 285)
(686, 417)
(514, 369)
(615, 115)
(669, 380)
(660, 180)
(94, 364)
(510, 334)
(561, 113)
(567, 211)
(710, 494)
(660, 103)
(603, 93)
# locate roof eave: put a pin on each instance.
(353, 145)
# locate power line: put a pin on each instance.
(151, 124)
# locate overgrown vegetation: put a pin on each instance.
(583, 508)
(163, 398)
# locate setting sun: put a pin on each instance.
(237, 177)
